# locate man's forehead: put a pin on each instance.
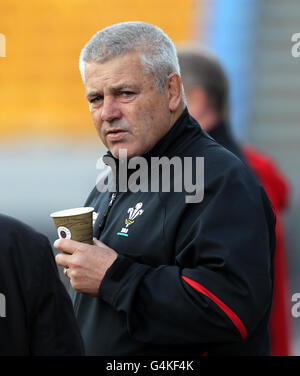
(112, 84)
(124, 72)
(118, 67)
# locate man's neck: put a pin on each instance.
(209, 121)
(176, 114)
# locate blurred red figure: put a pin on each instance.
(207, 92)
(277, 189)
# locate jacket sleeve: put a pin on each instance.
(220, 286)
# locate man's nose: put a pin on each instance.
(110, 109)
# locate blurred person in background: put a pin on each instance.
(166, 275)
(207, 94)
(36, 312)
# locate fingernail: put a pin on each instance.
(55, 244)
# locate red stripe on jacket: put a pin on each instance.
(232, 316)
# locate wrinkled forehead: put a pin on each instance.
(125, 68)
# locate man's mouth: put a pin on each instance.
(115, 134)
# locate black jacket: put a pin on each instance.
(222, 134)
(190, 278)
(36, 313)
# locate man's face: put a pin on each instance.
(127, 109)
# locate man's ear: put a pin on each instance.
(174, 90)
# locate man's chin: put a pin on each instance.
(120, 152)
(125, 152)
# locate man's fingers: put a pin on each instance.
(67, 245)
(62, 259)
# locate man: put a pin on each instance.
(36, 313)
(166, 276)
(207, 94)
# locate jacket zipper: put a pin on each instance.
(103, 220)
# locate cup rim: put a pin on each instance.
(72, 212)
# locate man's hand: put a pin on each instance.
(86, 264)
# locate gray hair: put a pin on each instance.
(156, 50)
(199, 67)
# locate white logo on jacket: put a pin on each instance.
(133, 214)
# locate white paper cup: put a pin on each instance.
(75, 224)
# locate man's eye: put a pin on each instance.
(127, 93)
(96, 99)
